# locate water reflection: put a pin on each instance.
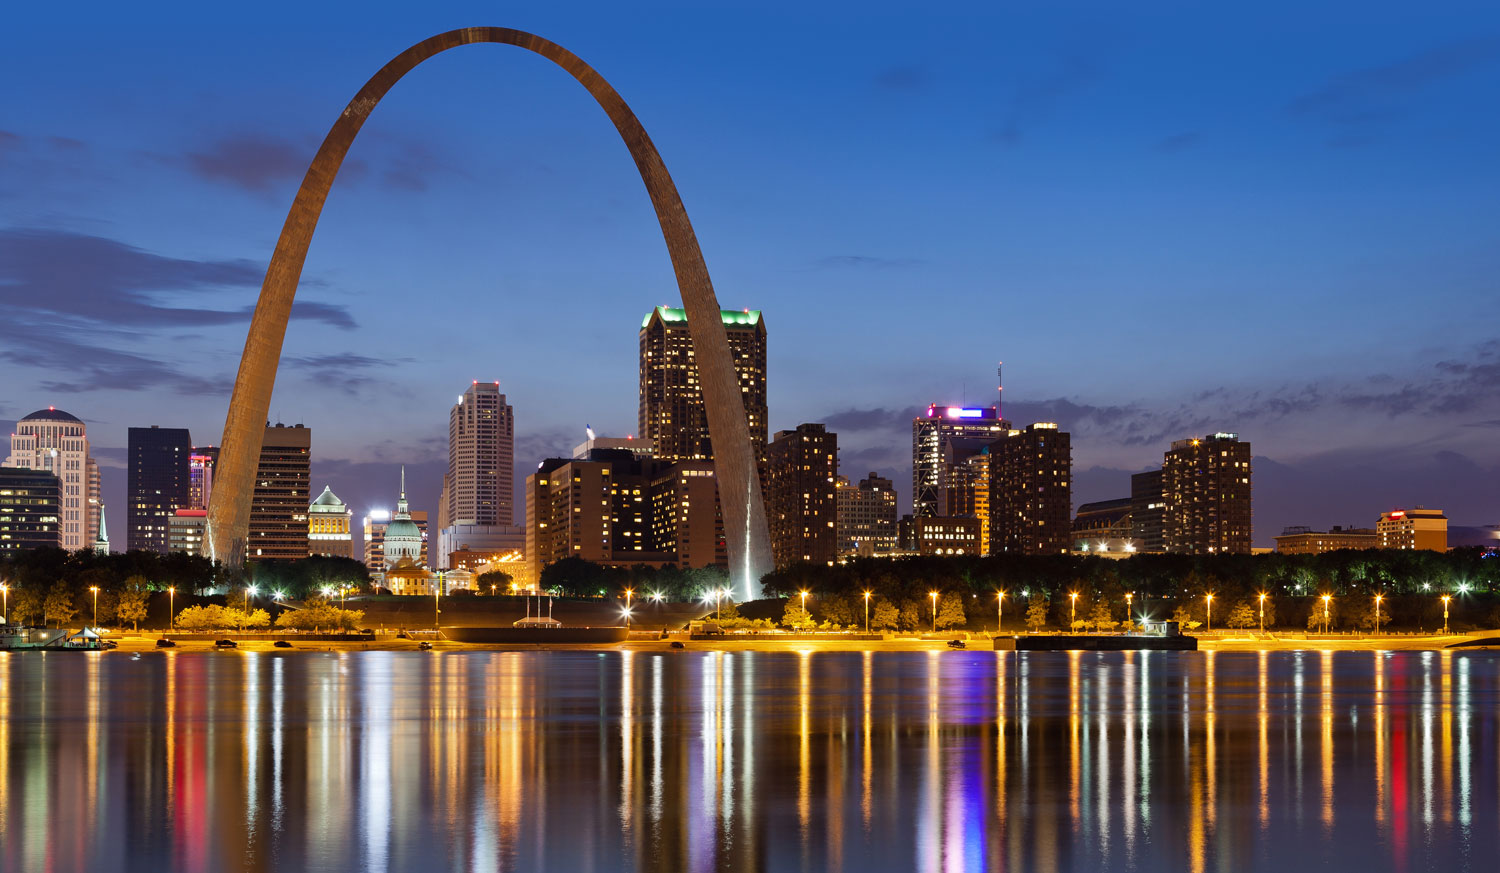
(942, 761)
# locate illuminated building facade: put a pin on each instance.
(201, 475)
(1206, 491)
(672, 409)
(969, 493)
(283, 478)
(57, 442)
(941, 439)
(30, 510)
(157, 484)
(1104, 528)
(1419, 528)
(328, 526)
(936, 535)
(478, 487)
(185, 531)
(1306, 541)
(1031, 496)
(867, 515)
(802, 468)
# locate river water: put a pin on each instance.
(699, 761)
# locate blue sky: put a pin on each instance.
(1166, 220)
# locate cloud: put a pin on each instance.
(254, 162)
(1034, 101)
(9, 141)
(877, 419)
(1356, 103)
(902, 78)
(864, 262)
(1177, 142)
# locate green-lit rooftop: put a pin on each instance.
(731, 317)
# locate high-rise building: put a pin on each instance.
(201, 475)
(1147, 511)
(941, 439)
(1031, 497)
(278, 509)
(158, 483)
(481, 450)
(969, 493)
(52, 440)
(802, 468)
(1206, 488)
(867, 516)
(328, 526)
(30, 507)
(672, 411)
(686, 522)
(1419, 528)
(185, 531)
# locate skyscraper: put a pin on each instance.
(481, 451)
(158, 483)
(52, 440)
(1031, 498)
(30, 504)
(201, 475)
(802, 495)
(867, 516)
(1206, 491)
(278, 512)
(942, 439)
(672, 411)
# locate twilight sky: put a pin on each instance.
(1167, 221)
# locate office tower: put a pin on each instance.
(1206, 491)
(278, 510)
(867, 516)
(969, 493)
(1419, 528)
(1031, 497)
(568, 512)
(52, 440)
(1147, 512)
(328, 526)
(1300, 540)
(157, 484)
(672, 411)
(686, 522)
(802, 495)
(201, 475)
(1104, 528)
(940, 440)
(185, 531)
(481, 451)
(30, 510)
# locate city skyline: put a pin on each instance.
(1335, 352)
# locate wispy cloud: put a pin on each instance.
(1178, 142)
(1034, 100)
(865, 262)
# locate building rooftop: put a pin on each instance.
(52, 413)
(731, 318)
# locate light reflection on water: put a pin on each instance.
(699, 761)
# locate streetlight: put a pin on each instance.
(867, 612)
(1209, 611)
(1377, 613)
(1262, 612)
(933, 595)
(95, 589)
(1129, 614)
(1326, 599)
(5, 594)
(999, 611)
(1073, 611)
(1446, 598)
(327, 591)
(629, 593)
(171, 607)
(494, 590)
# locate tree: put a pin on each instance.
(494, 581)
(130, 604)
(1101, 617)
(913, 616)
(885, 616)
(951, 611)
(794, 616)
(1242, 615)
(1036, 613)
(1367, 615)
(257, 618)
(25, 603)
(58, 606)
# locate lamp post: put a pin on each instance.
(1262, 599)
(934, 596)
(1129, 614)
(5, 594)
(1209, 613)
(171, 607)
(1326, 599)
(1072, 611)
(803, 594)
(95, 589)
(436, 593)
(1446, 598)
(245, 613)
(494, 590)
(1377, 613)
(867, 612)
(999, 611)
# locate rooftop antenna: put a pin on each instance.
(999, 389)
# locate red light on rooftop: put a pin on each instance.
(1400, 513)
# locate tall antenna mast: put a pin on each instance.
(999, 390)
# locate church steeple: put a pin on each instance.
(403, 509)
(101, 543)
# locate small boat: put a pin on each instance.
(424, 646)
(957, 644)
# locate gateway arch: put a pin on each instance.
(748, 540)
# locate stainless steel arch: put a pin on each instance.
(748, 540)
